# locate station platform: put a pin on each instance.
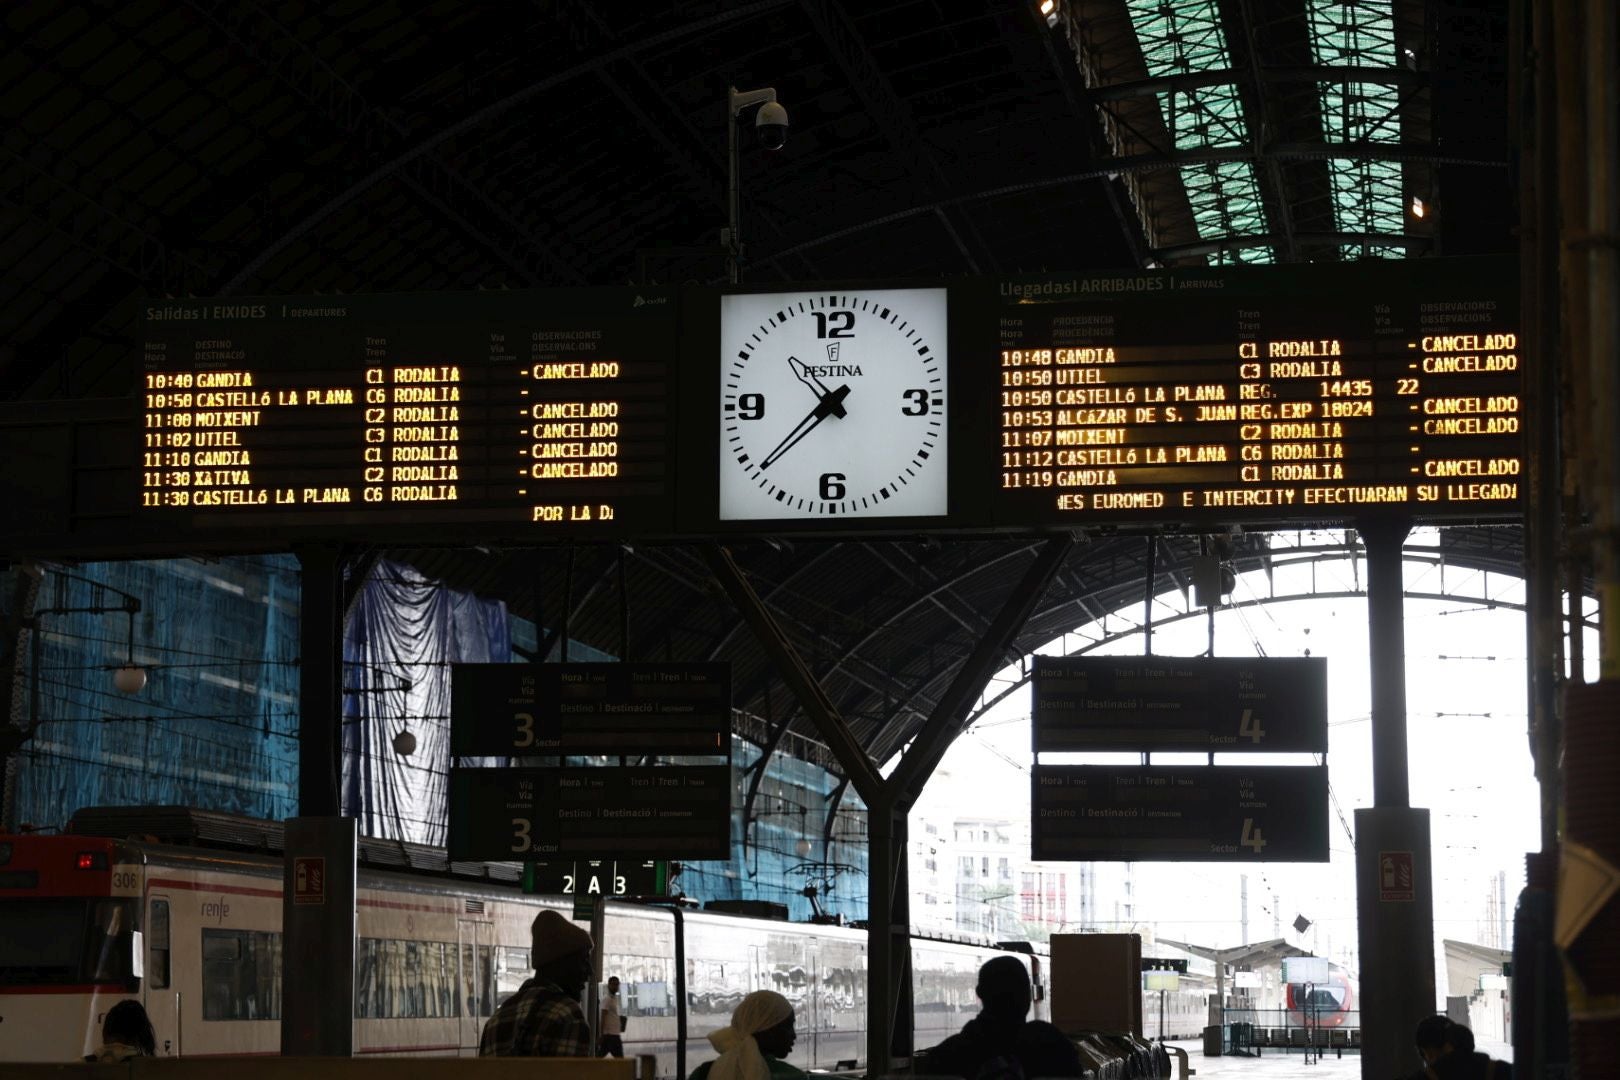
(1292, 1065)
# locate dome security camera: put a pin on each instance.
(771, 122)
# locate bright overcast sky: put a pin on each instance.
(1469, 756)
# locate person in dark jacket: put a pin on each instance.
(1046, 1053)
(1448, 1053)
(987, 1045)
(1462, 1062)
(543, 1019)
(126, 1033)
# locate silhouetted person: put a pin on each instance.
(543, 1019)
(987, 1045)
(753, 1045)
(1448, 1053)
(125, 1033)
(1046, 1053)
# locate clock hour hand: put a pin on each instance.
(831, 404)
(802, 372)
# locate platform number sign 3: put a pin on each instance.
(833, 405)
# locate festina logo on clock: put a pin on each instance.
(833, 404)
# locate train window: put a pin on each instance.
(241, 975)
(511, 969)
(486, 989)
(405, 980)
(66, 941)
(644, 983)
(109, 942)
(157, 939)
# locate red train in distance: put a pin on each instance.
(1329, 1006)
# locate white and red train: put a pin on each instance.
(193, 932)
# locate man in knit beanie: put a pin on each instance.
(544, 1018)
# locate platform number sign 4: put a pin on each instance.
(1252, 837)
(1249, 728)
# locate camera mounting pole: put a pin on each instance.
(736, 102)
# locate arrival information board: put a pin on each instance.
(534, 410)
(1165, 703)
(1196, 813)
(1303, 393)
(606, 813)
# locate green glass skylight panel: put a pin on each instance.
(1367, 195)
(1181, 37)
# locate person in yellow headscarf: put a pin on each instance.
(752, 1047)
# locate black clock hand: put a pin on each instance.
(802, 372)
(830, 405)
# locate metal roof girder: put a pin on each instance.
(945, 720)
(1307, 73)
(892, 115)
(806, 687)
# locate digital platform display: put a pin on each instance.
(550, 814)
(628, 709)
(1199, 813)
(1174, 703)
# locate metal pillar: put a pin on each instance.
(1387, 643)
(320, 684)
(1394, 896)
(319, 928)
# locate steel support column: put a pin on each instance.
(888, 941)
(1387, 639)
(354, 581)
(1394, 892)
(320, 687)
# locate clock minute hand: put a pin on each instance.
(802, 372)
(832, 404)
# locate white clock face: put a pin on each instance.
(833, 404)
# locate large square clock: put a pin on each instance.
(832, 404)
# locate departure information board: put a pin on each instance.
(534, 411)
(1287, 393)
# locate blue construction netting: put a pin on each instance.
(216, 725)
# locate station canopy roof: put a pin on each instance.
(193, 148)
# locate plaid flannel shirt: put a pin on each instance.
(537, 1021)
